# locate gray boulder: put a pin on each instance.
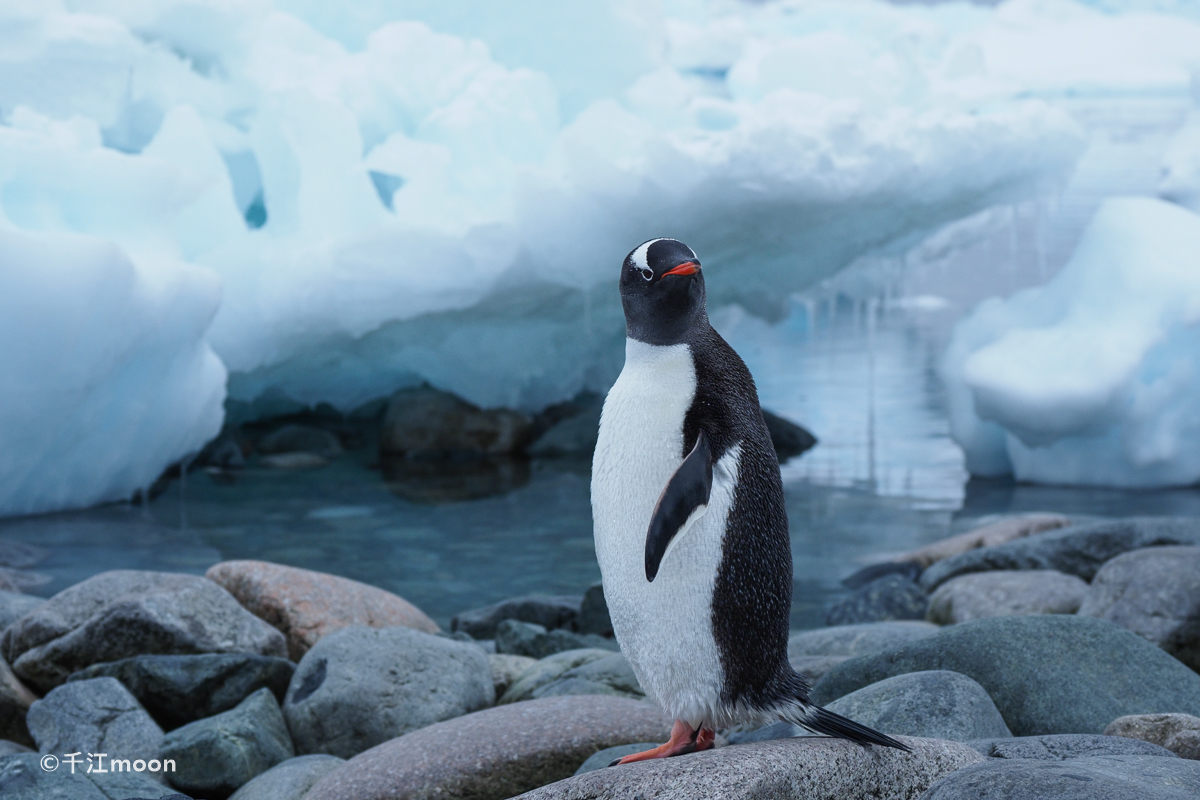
(1004, 594)
(539, 609)
(11, 748)
(1094, 778)
(506, 669)
(289, 780)
(1156, 594)
(593, 612)
(1046, 674)
(548, 670)
(14, 605)
(424, 423)
(857, 640)
(359, 686)
(96, 716)
(888, 598)
(1077, 550)
(609, 675)
(1061, 746)
(15, 699)
(936, 704)
(124, 613)
(813, 668)
(217, 755)
(22, 777)
(526, 639)
(1179, 733)
(300, 439)
(176, 690)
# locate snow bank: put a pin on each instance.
(1093, 379)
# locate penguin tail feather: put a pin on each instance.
(819, 720)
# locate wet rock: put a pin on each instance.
(15, 699)
(424, 423)
(1046, 674)
(1179, 733)
(307, 605)
(496, 753)
(1004, 594)
(526, 639)
(300, 439)
(1077, 550)
(14, 605)
(96, 716)
(905, 569)
(798, 769)
(994, 533)
(593, 612)
(361, 686)
(1062, 746)
(11, 748)
(1094, 778)
(857, 640)
(548, 670)
(936, 704)
(1156, 594)
(217, 755)
(506, 669)
(124, 613)
(452, 480)
(892, 597)
(23, 778)
(176, 690)
(574, 436)
(289, 780)
(293, 461)
(548, 611)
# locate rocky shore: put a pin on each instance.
(1032, 658)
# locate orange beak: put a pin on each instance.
(686, 268)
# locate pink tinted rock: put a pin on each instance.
(307, 605)
(1005, 530)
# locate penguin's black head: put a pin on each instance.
(662, 291)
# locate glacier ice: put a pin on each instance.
(1094, 378)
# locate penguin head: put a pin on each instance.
(662, 291)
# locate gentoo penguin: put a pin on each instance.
(690, 527)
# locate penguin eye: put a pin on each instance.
(648, 274)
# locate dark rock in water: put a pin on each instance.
(224, 452)
(22, 777)
(573, 435)
(425, 423)
(176, 690)
(1077, 550)
(289, 780)
(905, 569)
(300, 439)
(217, 755)
(452, 480)
(1156, 594)
(1094, 778)
(18, 555)
(610, 754)
(14, 605)
(937, 704)
(892, 597)
(790, 439)
(359, 687)
(96, 716)
(1046, 674)
(1060, 747)
(1179, 733)
(526, 639)
(119, 614)
(548, 611)
(15, 699)
(593, 612)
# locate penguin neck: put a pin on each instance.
(656, 336)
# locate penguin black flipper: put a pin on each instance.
(688, 489)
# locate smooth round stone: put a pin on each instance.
(1004, 594)
(1092, 778)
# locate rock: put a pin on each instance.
(863, 639)
(603, 758)
(1046, 674)
(176, 690)
(538, 609)
(19, 580)
(223, 453)
(526, 639)
(18, 555)
(1077, 550)
(293, 461)
(423, 423)
(96, 716)
(1156, 594)
(1003, 594)
(548, 670)
(744, 734)
(905, 569)
(14, 605)
(574, 436)
(609, 675)
(1095, 778)
(496, 753)
(300, 439)
(936, 704)
(360, 686)
(289, 780)
(506, 669)
(990, 535)
(593, 612)
(789, 439)
(1179, 733)
(15, 700)
(22, 777)
(11, 748)
(890, 597)
(792, 769)
(813, 667)
(307, 605)
(124, 613)
(217, 755)
(1062, 746)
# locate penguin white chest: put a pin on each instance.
(665, 626)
